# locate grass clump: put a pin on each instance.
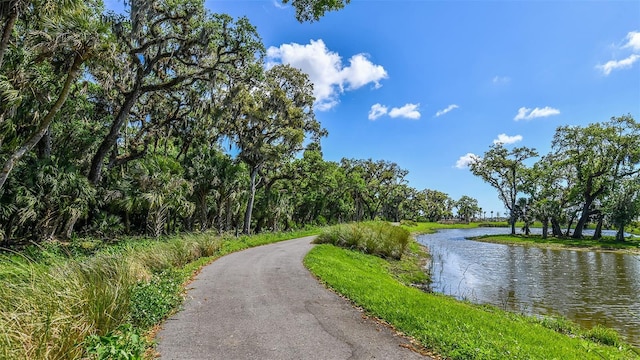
(98, 304)
(451, 328)
(375, 238)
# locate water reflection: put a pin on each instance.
(588, 287)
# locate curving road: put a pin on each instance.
(262, 303)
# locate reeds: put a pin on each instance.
(375, 238)
(48, 308)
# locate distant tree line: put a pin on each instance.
(167, 120)
(591, 176)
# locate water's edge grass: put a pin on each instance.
(451, 328)
(606, 244)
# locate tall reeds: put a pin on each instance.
(48, 309)
(375, 238)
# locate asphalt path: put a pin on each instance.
(262, 303)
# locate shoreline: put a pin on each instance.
(631, 248)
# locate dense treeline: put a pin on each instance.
(591, 176)
(167, 120)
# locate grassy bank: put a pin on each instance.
(605, 244)
(455, 329)
(61, 303)
(431, 227)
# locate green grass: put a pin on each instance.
(454, 329)
(71, 301)
(431, 227)
(610, 244)
(376, 238)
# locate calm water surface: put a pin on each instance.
(587, 287)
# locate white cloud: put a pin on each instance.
(329, 76)
(528, 114)
(279, 5)
(466, 160)
(506, 139)
(634, 41)
(618, 64)
(361, 72)
(376, 111)
(409, 111)
(501, 79)
(444, 111)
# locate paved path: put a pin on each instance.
(262, 303)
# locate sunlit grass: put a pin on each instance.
(52, 304)
(607, 243)
(376, 238)
(455, 329)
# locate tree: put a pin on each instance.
(467, 208)
(169, 46)
(66, 41)
(313, 10)
(268, 122)
(502, 170)
(598, 156)
(623, 205)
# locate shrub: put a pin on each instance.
(377, 238)
(603, 335)
(153, 300)
(124, 343)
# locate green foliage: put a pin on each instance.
(604, 335)
(153, 300)
(454, 329)
(123, 343)
(105, 298)
(376, 238)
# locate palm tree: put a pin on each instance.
(71, 38)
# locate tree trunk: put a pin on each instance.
(555, 228)
(512, 219)
(545, 228)
(95, 172)
(620, 233)
(252, 194)
(46, 121)
(584, 217)
(7, 30)
(597, 234)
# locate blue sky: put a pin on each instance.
(426, 83)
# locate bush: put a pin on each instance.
(124, 343)
(377, 238)
(603, 335)
(153, 300)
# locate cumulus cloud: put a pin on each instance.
(528, 114)
(330, 77)
(506, 139)
(444, 111)
(465, 160)
(633, 42)
(376, 111)
(409, 111)
(618, 64)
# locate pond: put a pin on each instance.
(587, 287)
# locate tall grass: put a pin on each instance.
(375, 238)
(51, 304)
